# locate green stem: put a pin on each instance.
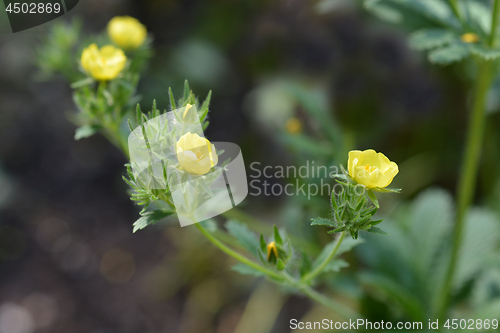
(311, 293)
(321, 299)
(235, 254)
(494, 23)
(468, 176)
(319, 269)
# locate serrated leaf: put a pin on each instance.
(431, 38)
(378, 231)
(485, 52)
(384, 12)
(322, 221)
(336, 265)
(151, 217)
(247, 270)
(480, 238)
(449, 54)
(244, 236)
(86, 131)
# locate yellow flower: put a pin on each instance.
(469, 37)
(371, 169)
(271, 249)
(104, 64)
(293, 126)
(196, 154)
(126, 32)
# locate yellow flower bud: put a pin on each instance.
(469, 37)
(272, 250)
(293, 126)
(371, 169)
(103, 64)
(196, 154)
(126, 32)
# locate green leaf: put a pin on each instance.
(247, 270)
(172, 99)
(81, 83)
(485, 52)
(348, 244)
(263, 245)
(448, 54)
(186, 91)
(322, 221)
(244, 236)
(277, 237)
(431, 211)
(280, 265)
(151, 217)
(305, 266)
(384, 12)
(387, 190)
(85, 131)
(373, 198)
(204, 107)
(481, 236)
(336, 265)
(431, 38)
(378, 231)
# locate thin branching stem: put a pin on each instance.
(470, 164)
(320, 268)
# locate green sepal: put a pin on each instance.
(263, 245)
(280, 265)
(387, 190)
(373, 198)
(277, 237)
(322, 221)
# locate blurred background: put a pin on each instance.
(69, 261)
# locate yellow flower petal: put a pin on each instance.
(127, 32)
(371, 169)
(196, 154)
(104, 64)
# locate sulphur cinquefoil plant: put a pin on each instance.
(105, 95)
(424, 260)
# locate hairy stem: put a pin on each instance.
(311, 293)
(322, 299)
(470, 164)
(235, 254)
(319, 269)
